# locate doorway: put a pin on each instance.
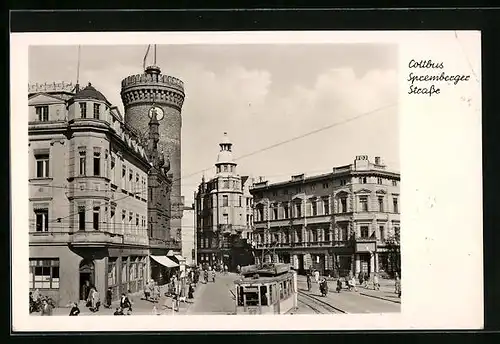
(87, 278)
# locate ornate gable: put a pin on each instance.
(44, 99)
(363, 191)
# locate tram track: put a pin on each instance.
(318, 304)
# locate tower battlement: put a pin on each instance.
(146, 87)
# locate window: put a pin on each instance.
(285, 209)
(381, 204)
(130, 181)
(394, 183)
(83, 110)
(298, 209)
(248, 220)
(314, 206)
(362, 180)
(275, 194)
(218, 169)
(42, 165)
(136, 221)
(96, 218)
(395, 204)
(260, 213)
(364, 231)
(42, 220)
(326, 206)
(325, 185)
(97, 163)
(226, 184)
(275, 213)
(81, 217)
(379, 181)
(382, 234)
(298, 189)
(225, 168)
(225, 219)
(313, 187)
(343, 205)
(124, 216)
(44, 274)
(363, 200)
(42, 113)
(225, 201)
(137, 188)
(124, 176)
(83, 163)
(240, 201)
(97, 108)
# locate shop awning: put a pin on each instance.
(163, 260)
(179, 258)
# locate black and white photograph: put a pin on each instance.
(176, 179)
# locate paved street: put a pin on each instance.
(362, 301)
(215, 298)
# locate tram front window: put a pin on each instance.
(252, 298)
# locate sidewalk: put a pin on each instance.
(139, 305)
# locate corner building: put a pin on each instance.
(337, 223)
(223, 214)
(88, 195)
(139, 92)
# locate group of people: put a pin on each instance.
(39, 303)
(350, 282)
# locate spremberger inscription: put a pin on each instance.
(416, 79)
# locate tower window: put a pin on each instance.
(225, 201)
(42, 220)
(83, 160)
(83, 110)
(81, 218)
(96, 218)
(97, 163)
(97, 108)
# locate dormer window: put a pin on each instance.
(225, 168)
(83, 110)
(97, 108)
(42, 113)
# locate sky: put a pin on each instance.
(261, 95)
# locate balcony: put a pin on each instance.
(311, 244)
(48, 238)
(95, 238)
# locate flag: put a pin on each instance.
(145, 56)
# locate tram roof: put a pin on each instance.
(270, 269)
(264, 279)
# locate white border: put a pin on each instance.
(440, 140)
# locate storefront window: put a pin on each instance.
(44, 274)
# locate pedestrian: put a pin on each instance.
(376, 284)
(191, 291)
(238, 269)
(339, 285)
(225, 269)
(74, 310)
(156, 292)
(125, 303)
(308, 280)
(397, 284)
(96, 300)
(147, 291)
(353, 284)
(118, 311)
(85, 290)
(109, 297)
(316, 276)
(46, 308)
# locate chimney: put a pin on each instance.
(377, 160)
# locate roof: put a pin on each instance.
(90, 92)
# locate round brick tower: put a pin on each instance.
(139, 94)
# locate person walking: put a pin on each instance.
(353, 284)
(46, 308)
(308, 280)
(316, 276)
(376, 284)
(147, 291)
(397, 284)
(109, 297)
(74, 310)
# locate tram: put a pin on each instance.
(266, 289)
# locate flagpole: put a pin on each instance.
(77, 86)
(145, 57)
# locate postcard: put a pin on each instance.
(246, 181)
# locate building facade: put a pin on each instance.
(339, 222)
(88, 195)
(223, 214)
(139, 93)
(189, 236)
